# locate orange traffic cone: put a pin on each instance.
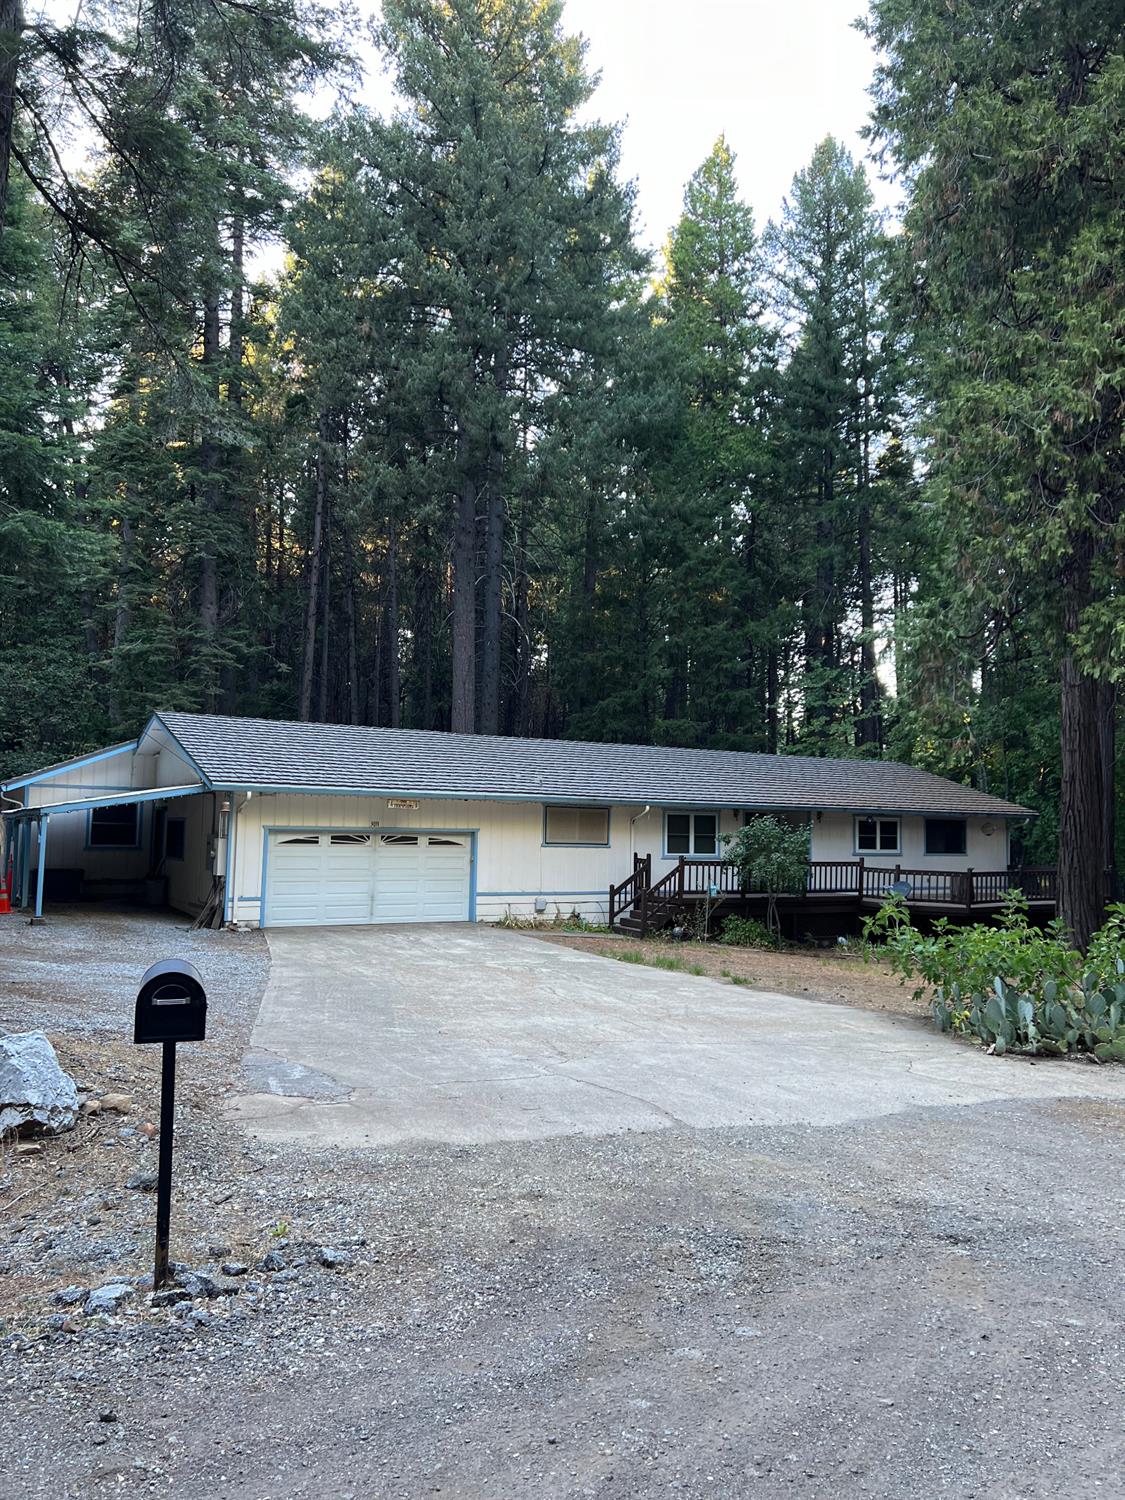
(5, 899)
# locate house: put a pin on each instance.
(303, 824)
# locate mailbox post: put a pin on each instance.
(171, 1008)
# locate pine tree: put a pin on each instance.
(1008, 123)
(837, 402)
(721, 546)
(511, 213)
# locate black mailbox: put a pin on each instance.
(171, 1004)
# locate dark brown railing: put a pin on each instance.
(625, 895)
(693, 879)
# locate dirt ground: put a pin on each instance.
(812, 974)
(905, 1306)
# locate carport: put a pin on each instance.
(29, 833)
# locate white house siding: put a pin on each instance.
(513, 867)
(66, 838)
(833, 837)
(189, 879)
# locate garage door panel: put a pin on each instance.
(326, 878)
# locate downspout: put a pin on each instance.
(644, 812)
(231, 867)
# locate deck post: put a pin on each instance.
(680, 876)
(859, 881)
(969, 889)
(41, 872)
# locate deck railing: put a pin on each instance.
(627, 894)
(690, 880)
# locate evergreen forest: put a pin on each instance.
(311, 410)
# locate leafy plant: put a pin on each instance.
(1011, 986)
(746, 932)
(772, 858)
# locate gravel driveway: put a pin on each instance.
(899, 1304)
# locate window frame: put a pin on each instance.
(692, 813)
(961, 853)
(549, 843)
(138, 832)
(877, 819)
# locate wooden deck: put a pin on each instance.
(847, 885)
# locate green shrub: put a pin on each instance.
(1012, 987)
(746, 932)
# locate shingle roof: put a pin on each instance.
(270, 754)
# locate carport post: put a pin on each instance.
(25, 861)
(41, 872)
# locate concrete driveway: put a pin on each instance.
(458, 1034)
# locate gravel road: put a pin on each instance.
(921, 1305)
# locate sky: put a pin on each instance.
(775, 76)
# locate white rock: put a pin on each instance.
(108, 1298)
(33, 1088)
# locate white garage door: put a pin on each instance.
(320, 878)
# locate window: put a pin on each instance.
(945, 836)
(174, 836)
(115, 827)
(361, 840)
(877, 836)
(691, 833)
(576, 825)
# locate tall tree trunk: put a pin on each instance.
(422, 654)
(123, 612)
(312, 597)
(773, 693)
(325, 620)
(464, 654)
(868, 727)
(209, 464)
(352, 647)
(493, 583)
(11, 34)
(392, 665)
(521, 634)
(1082, 855)
(1107, 736)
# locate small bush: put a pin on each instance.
(1011, 986)
(746, 932)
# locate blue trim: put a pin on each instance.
(692, 812)
(267, 829)
(40, 874)
(150, 794)
(71, 765)
(546, 843)
(111, 848)
(196, 767)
